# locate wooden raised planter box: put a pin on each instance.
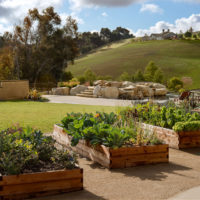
(40, 184)
(177, 140)
(115, 158)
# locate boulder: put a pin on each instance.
(116, 84)
(127, 83)
(99, 82)
(78, 89)
(61, 91)
(158, 85)
(97, 91)
(110, 92)
(161, 92)
(146, 91)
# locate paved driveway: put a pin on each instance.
(94, 101)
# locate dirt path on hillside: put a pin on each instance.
(151, 182)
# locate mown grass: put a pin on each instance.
(40, 115)
(176, 58)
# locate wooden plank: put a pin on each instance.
(41, 186)
(189, 133)
(190, 140)
(138, 150)
(39, 194)
(41, 177)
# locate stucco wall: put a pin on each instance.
(11, 90)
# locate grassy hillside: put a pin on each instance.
(176, 58)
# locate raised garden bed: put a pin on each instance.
(115, 158)
(177, 140)
(40, 184)
(32, 166)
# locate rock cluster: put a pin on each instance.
(60, 91)
(128, 90)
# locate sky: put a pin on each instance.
(139, 16)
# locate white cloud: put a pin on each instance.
(182, 24)
(153, 8)
(12, 11)
(104, 14)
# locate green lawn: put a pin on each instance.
(176, 58)
(40, 115)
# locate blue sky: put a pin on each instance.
(140, 16)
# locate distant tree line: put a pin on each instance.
(88, 41)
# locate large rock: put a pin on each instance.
(99, 82)
(61, 91)
(97, 91)
(127, 84)
(78, 89)
(110, 92)
(116, 84)
(158, 85)
(161, 92)
(146, 91)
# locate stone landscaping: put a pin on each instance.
(115, 90)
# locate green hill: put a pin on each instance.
(176, 58)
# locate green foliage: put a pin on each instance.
(175, 84)
(34, 95)
(26, 150)
(150, 71)
(90, 76)
(187, 126)
(139, 76)
(125, 76)
(168, 117)
(102, 129)
(158, 76)
(188, 34)
(82, 79)
(67, 76)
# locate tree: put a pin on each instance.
(90, 76)
(106, 34)
(67, 76)
(139, 76)
(150, 71)
(125, 76)
(188, 34)
(158, 76)
(175, 84)
(41, 45)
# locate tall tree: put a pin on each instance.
(42, 46)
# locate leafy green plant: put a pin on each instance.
(187, 126)
(25, 150)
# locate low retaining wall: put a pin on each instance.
(13, 90)
(177, 140)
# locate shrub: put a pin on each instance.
(81, 79)
(175, 84)
(139, 76)
(90, 76)
(125, 76)
(67, 76)
(24, 150)
(187, 126)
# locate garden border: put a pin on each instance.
(176, 140)
(40, 184)
(115, 158)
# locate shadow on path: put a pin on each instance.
(83, 195)
(156, 172)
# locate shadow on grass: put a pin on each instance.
(83, 195)
(156, 172)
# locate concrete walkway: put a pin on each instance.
(94, 101)
(191, 194)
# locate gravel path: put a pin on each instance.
(150, 182)
(93, 101)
